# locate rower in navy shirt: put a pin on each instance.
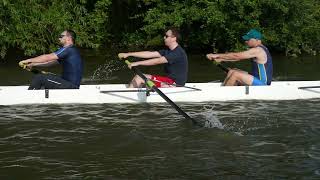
(68, 56)
(174, 58)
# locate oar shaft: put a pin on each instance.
(225, 69)
(129, 90)
(36, 71)
(309, 87)
(151, 85)
(185, 115)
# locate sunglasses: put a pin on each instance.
(166, 36)
(62, 35)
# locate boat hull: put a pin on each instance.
(118, 93)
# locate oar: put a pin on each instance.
(35, 71)
(225, 69)
(308, 87)
(176, 85)
(129, 90)
(152, 86)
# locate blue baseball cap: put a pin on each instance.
(252, 34)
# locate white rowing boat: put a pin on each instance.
(118, 93)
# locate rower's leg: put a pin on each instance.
(48, 81)
(228, 77)
(229, 80)
(36, 82)
(239, 76)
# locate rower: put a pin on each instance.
(68, 56)
(261, 59)
(174, 58)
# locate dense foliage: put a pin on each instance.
(292, 27)
(34, 25)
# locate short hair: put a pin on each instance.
(72, 34)
(175, 33)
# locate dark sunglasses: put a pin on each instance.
(61, 35)
(166, 36)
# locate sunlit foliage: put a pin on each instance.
(34, 25)
(291, 27)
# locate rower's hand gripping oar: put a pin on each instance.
(152, 86)
(35, 71)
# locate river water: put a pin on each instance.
(249, 140)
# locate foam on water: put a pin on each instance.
(211, 119)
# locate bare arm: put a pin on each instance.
(150, 62)
(141, 54)
(235, 56)
(46, 64)
(43, 59)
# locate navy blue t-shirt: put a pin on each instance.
(72, 64)
(177, 66)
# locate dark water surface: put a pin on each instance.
(251, 139)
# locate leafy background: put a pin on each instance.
(289, 27)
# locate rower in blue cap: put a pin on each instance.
(261, 73)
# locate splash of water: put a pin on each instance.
(212, 120)
(104, 71)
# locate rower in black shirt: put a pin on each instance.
(174, 58)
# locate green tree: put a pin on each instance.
(33, 25)
(292, 27)
(288, 26)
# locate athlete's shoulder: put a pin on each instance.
(257, 50)
(60, 50)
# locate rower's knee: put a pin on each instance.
(231, 71)
(233, 78)
(236, 74)
(136, 82)
(36, 82)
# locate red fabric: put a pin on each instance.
(162, 81)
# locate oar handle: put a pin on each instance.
(127, 62)
(35, 71)
(24, 66)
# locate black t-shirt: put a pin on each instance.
(177, 66)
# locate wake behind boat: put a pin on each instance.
(118, 93)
